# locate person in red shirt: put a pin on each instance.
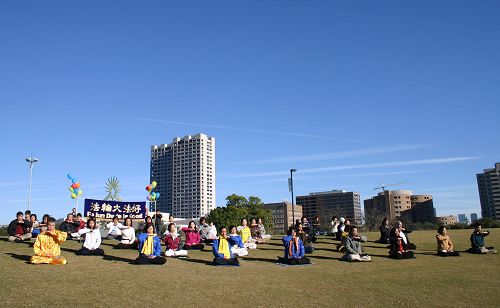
(192, 237)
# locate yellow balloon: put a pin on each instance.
(71, 189)
(73, 196)
(80, 192)
(154, 184)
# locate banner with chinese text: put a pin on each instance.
(105, 209)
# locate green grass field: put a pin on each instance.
(112, 281)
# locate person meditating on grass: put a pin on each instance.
(192, 237)
(262, 230)
(115, 232)
(477, 241)
(173, 243)
(352, 245)
(255, 232)
(92, 240)
(399, 247)
(128, 240)
(237, 246)
(149, 247)
(47, 246)
(384, 232)
(308, 246)
(246, 235)
(444, 244)
(294, 249)
(222, 251)
(19, 229)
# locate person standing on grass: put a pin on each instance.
(399, 248)
(192, 237)
(477, 241)
(352, 245)
(157, 218)
(92, 240)
(19, 229)
(128, 240)
(47, 246)
(149, 247)
(302, 235)
(222, 251)
(294, 250)
(444, 244)
(173, 243)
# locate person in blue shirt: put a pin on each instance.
(222, 250)
(294, 249)
(477, 241)
(237, 246)
(149, 247)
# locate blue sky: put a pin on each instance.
(352, 94)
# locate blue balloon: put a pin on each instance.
(73, 180)
(157, 195)
(70, 176)
(75, 191)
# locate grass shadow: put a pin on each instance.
(325, 249)
(321, 257)
(69, 250)
(19, 257)
(260, 259)
(270, 249)
(119, 259)
(197, 261)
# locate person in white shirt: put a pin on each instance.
(213, 232)
(92, 240)
(114, 233)
(128, 240)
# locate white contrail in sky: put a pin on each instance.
(431, 161)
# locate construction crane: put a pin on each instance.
(383, 186)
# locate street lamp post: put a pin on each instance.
(291, 189)
(31, 160)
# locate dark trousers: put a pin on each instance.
(143, 259)
(294, 261)
(403, 255)
(448, 254)
(194, 247)
(87, 252)
(309, 249)
(222, 261)
(126, 246)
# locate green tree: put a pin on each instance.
(239, 207)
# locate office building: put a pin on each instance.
(329, 203)
(473, 217)
(488, 184)
(446, 220)
(282, 215)
(401, 204)
(185, 174)
(462, 218)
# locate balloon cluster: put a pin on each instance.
(74, 188)
(153, 196)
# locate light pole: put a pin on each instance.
(31, 160)
(291, 189)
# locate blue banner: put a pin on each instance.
(105, 209)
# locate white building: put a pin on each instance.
(185, 174)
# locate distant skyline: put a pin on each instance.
(351, 94)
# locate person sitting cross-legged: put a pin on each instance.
(149, 247)
(294, 249)
(352, 244)
(399, 248)
(308, 246)
(92, 240)
(246, 235)
(19, 229)
(222, 251)
(237, 246)
(192, 237)
(128, 240)
(173, 243)
(70, 226)
(47, 246)
(385, 231)
(114, 232)
(477, 241)
(444, 244)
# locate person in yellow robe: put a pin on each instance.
(47, 246)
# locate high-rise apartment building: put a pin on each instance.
(185, 174)
(462, 218)
(488, 184)
(329, 203)
(473, 217)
